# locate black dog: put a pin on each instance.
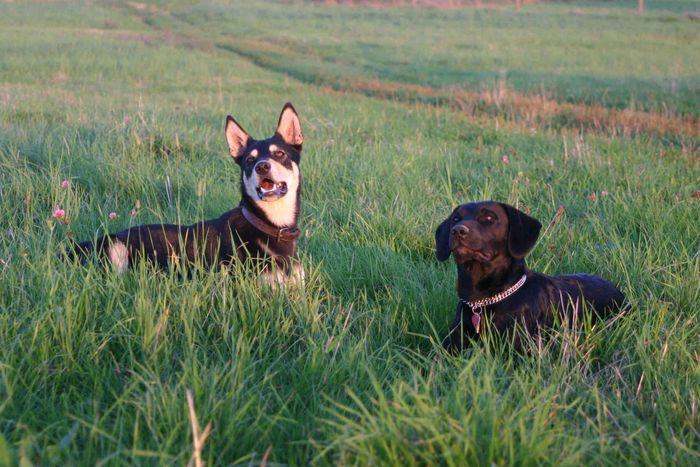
(489, 242)
(263, 226)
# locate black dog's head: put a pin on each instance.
(486, 231)
(269, 167)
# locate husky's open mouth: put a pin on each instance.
(270, 188)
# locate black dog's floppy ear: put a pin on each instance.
(523, 231)
(236, 138)
(289, 126)
(442, 240)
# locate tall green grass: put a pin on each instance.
(94, 367)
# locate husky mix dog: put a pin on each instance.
(263, 227)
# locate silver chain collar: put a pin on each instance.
(477, 304)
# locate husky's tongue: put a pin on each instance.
(267, 185)
(270, 190)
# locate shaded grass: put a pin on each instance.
(605, 56)
(95, 367)
(625, 107)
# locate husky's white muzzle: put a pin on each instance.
(275, 190)
(271, 180)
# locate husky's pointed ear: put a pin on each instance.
(236, 138)
(523, 231)
(289, 127)
(442, 240)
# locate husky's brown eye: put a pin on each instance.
(250, 159)
(279, 154)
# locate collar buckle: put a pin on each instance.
(281, 232)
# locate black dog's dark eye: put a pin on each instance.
(487, 219)
(456, 219)
(250, 159)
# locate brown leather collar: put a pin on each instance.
(284, 234)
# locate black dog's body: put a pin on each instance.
(489, 241)
(262, 227)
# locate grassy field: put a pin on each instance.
(406, 112)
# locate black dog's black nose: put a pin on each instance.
(262, 167)
(461, 230)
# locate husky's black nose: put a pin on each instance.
(262, 167)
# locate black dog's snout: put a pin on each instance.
(262, 167)
(460, 230)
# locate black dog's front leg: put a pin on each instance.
(457, 339)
